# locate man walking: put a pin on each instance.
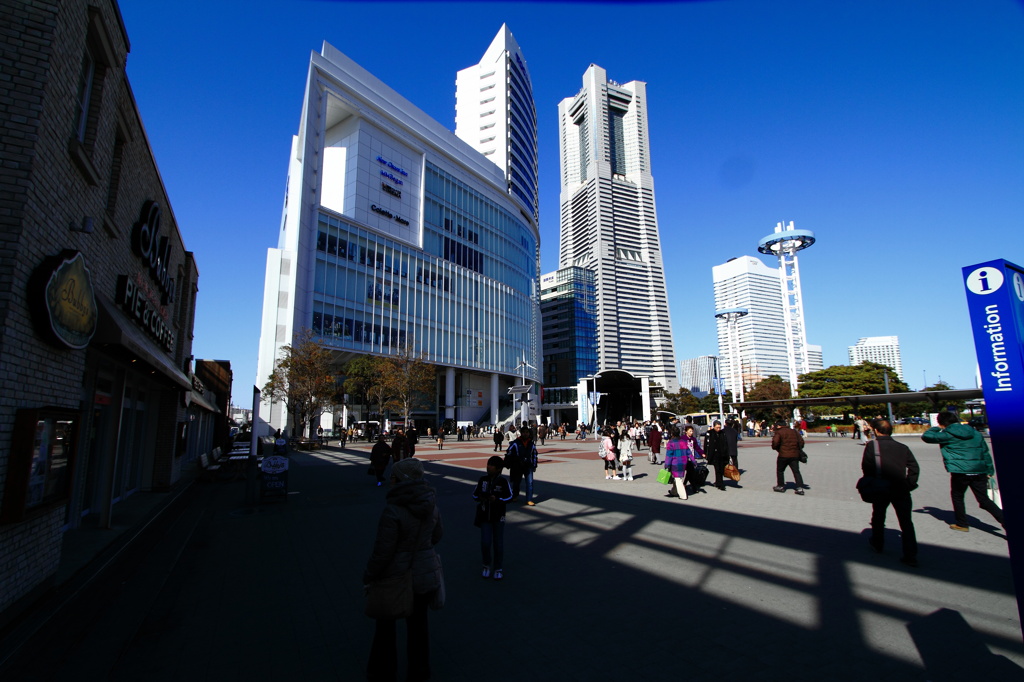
(787, 443)
(966, 457)
(901, 470)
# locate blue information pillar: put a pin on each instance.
(995, 298)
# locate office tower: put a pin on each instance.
(609, 225)
(397, 233)
(697, 375)
(569, 340)
(495, 113)
(815, 358)
(749, 284)
(885, 350)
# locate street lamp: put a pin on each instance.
(731, 317)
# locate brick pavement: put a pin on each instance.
(604, 579)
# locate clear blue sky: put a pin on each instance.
(892, 129)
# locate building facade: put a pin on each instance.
(609, 224)
(697, 375)
(885, 350)
(97, 398)
(495, 114)
(569, 339)
(760, 335)
(395, 234)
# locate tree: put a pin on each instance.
(709, 403)
(410, 381)
(682, 402)
(773, 387)
(362, 374)
(867, 378)
(302, 379)
(919, 408)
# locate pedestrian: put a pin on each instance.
(678, 458)
(380, 455)
(697, 473)
(542, 433)
(787, 443)
(498, 437)
(608, 454)
(654, 440)
(440, 439)
(398, 443)
(716, 449)
(492, 494)
(412, 437)
(900, 468)
(856, 426)
(521, 462)
(409, 527)
(966, 457)
(732, 439)
(626, 456)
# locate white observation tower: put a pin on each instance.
(784, 243)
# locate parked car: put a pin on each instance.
(979, 423)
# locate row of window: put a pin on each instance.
(349, 329)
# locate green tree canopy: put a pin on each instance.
(709, 403)
(867, 378)
(682, 402)
(770, 388)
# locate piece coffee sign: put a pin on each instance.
(64, 300)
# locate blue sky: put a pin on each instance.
(892, 129)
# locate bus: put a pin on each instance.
(702, 421)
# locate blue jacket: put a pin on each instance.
(964, 450)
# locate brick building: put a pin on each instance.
(97, 293)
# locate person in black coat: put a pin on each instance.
(732, 438)
(716, 449)
(900, 468)
(379, 458)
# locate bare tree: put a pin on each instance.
(302, 380)
(410, 381)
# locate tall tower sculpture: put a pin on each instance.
(784, 243)
(731, 316)
(609, 224)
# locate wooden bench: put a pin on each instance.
(208, 470)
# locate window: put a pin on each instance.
(97, 60)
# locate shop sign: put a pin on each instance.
(64, 300)
(154, 249)
(133, 300)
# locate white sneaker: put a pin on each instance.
(486, 572)
(629, 478)
(617, 478)
(606, 477)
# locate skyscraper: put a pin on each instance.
(609, 225)
(495, 113)
(885, 350)
(698, 375)
(747, 282)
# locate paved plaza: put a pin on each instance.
(604, 580)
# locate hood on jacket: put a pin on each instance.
(962, 431)
(415, 495)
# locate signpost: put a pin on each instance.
(275, 477)
(995, 300)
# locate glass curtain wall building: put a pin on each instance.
(609, 224)
(397, 233)
(569, 343)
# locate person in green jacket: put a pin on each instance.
(966, 457)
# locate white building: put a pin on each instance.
(885, 350)
(609, 224)
(747, 282)
(815, 359)
(396, 232)
(495, 113)
(697, 375)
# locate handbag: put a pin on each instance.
(390, 598)
(664, 476)
(732, 472)
(437, 601)
(874, 488)
(802, 457)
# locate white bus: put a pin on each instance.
(702, 421)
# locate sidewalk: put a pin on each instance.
(604, 580)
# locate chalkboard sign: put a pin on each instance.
(275, 477)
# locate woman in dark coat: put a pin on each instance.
(409, 527)
(379, 458)
(716, 449)
(654, 438)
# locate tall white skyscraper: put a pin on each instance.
(496, 115)
(609, 224)
(748, 283)
(884, 350)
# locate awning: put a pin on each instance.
(202, 402)
(116, 329)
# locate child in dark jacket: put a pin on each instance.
(492, 493)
